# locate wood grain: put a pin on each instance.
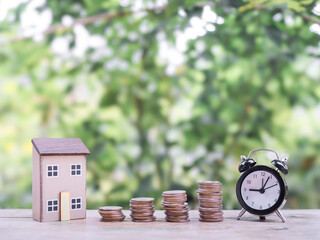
(301, 224)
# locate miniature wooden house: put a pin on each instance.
(58, 179)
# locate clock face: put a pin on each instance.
(261, 190)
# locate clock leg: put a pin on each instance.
(281, 216)
(241, 213)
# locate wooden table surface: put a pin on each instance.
(301, 224)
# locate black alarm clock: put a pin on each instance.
(261, 190)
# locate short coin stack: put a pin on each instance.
(111, 214)
(175, 205)
(142, 209)
(210, 201)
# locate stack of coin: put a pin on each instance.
(111, 214)
(210, 201)
(142, 209)
(175, 205)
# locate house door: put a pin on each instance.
(64, 206)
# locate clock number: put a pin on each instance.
(270, 176)
(248, 181)
(278, 191)
(269, 205)
(275, 200)
(263, 174)
(252, 203)
(260, 207)
(255, 175)
(245, 189)
(247, 198)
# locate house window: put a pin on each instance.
(76, 170)
(52, 170)
(53, 205)
(76, 203)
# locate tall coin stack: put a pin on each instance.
(142, 209)
(111, 214)
(175, 205)
(210, 201)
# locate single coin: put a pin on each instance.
(174, 192)
(149, 220)
(110, 208)
(173, 211)
(175, 200)
(142, 199)
(211, 220)
(141, 202)
(111, 220)
(210, 197)
(110, 212)
(211, 201)
(208, 192)
(175, 196)
(176, 214)
(210, 212)
(148, 206)
(111, 215)
(143, 218)
(209, 209)
(177, 221)
(182, 217)
(212, 186)
(140, 206)
(208, 182)
(214, 198)
(175, 208)
(133, 210)
(142, 214)
(169, 204)
(210, 204)
(141, 210)
(215, 215)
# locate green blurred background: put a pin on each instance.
(163, 93)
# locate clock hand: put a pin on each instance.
(266, 182)
(254, 190)
(271, 186)
(262, 183)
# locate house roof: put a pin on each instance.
(60, 146)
